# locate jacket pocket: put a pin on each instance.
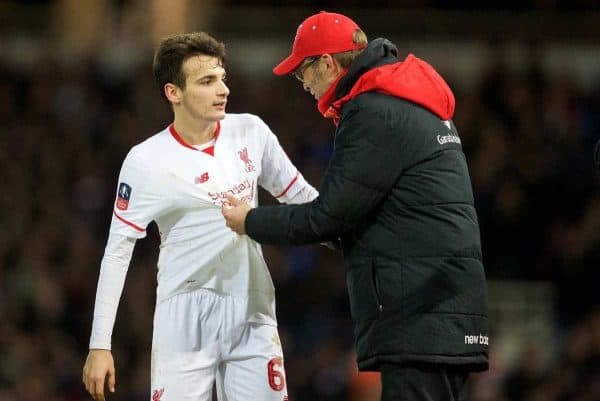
(362, 291)
(376, 287)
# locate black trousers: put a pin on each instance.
(423, 383)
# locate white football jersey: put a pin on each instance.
(183, 187)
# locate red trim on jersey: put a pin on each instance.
(178, 138)
(209, 150)
(289, 186)
(137, 228)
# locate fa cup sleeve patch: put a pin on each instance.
(123, 196)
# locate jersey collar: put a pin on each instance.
(209, 150)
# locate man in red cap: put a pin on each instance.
(397, 193)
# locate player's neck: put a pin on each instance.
(195, 132)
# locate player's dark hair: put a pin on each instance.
(174, 50)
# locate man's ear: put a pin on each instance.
(173, 93)
(331, 64)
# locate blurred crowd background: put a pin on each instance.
(76, 92)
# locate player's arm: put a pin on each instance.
(99, 366)
(136, 204)
(280, 177)
(360, 174)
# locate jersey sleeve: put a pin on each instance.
(280, 177)
(137, 201)
(113, 270)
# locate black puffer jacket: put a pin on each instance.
(397, 191)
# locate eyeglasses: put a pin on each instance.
(299, 73)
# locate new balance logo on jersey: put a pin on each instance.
(246, 159)
(202, 178)
(157, 394)
(123, 195)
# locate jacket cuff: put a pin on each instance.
(267, 225)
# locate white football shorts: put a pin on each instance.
(202, 339)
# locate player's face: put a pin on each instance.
(205, 94)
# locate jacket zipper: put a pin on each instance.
(376, 286)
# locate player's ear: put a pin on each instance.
(173, 93)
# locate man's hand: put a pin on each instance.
(98, 365)
(235, 215)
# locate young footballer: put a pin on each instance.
(215, 312)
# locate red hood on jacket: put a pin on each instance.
(412, 79)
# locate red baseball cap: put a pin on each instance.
(319, 34)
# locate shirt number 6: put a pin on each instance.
(276, 377)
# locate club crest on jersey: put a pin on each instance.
(123, 195)
(157, 394)
(202, 178)
(246, 159)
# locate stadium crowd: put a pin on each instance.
(67, 127)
